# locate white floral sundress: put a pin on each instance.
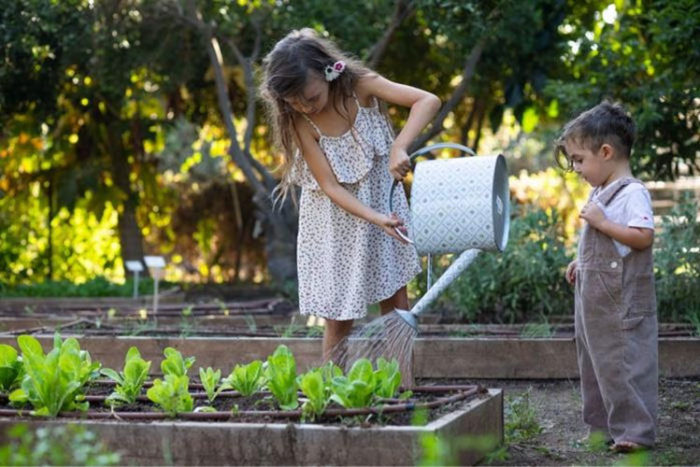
(344, 262)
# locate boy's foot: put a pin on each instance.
(587, 440)
(596, 438)
(627, 446)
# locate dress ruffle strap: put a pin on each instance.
(351, 155)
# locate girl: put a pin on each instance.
(339, 148)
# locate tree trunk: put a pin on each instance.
(130, 236)
(279, 224)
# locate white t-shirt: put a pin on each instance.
(631, 207)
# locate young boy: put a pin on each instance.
(613, 275)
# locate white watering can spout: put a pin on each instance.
(458, 205)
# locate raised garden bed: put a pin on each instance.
(259, 414)
(189, 441)
(46, 315)
(469, 357)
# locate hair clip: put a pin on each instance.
(333, 71)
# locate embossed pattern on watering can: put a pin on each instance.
(451, 205)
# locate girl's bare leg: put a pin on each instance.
(333, 333)
(398, 300)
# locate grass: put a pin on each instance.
(521, 422)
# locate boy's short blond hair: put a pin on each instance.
(606, 123)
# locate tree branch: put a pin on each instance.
(241, 159)
(402, 10)
(456, 97)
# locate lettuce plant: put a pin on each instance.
(246, 379)
(130, 381)
(54, 382)
(357, 388)
(281, 374)
(316, 386)
(210, 379)
(387, 377)
(10, 368)
(174, 364)
(311, 384)
(171, 394)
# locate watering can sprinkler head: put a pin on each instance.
(409, 318)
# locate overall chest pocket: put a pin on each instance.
(602, 289)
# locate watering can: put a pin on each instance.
(458, 205)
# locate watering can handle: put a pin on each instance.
(419, 152)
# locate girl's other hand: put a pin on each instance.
(399, 163)
(392, 223)
(571, 272)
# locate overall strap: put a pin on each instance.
(607, 195)
(313, 125)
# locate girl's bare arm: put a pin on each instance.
(322, 172)
(423, 105)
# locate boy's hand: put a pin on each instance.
(592, 213)
(399, 163)
(571, 272)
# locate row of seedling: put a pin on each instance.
(58, 381)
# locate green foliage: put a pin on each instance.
(316, 386)
(171, 394)
(537, 330)
(357, 388)
(677, 263)
(526, 280)
(56, 381)
(130, 381)
(388, 378)
(312, 385)
(435, 450)
(101, 120)
(640, 58)
(210, 379)
(246, 379)
(281, 374)
(520, 418)
(10, 368)
(59, 445)
(96, 287)
(174, 364)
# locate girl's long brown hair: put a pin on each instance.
(286, 69)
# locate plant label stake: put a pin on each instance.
(155, 266)
(135, 267)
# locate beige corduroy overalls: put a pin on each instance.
(616, 334)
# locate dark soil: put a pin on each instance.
(557, 410)
(239, 406)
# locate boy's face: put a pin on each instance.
(595, 167)
(313, 97)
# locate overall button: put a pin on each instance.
(613, 264)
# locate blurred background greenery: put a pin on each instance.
(132, 127)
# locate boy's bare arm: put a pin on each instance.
(634, 237)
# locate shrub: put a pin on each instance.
(677, 263)
(524, 282)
